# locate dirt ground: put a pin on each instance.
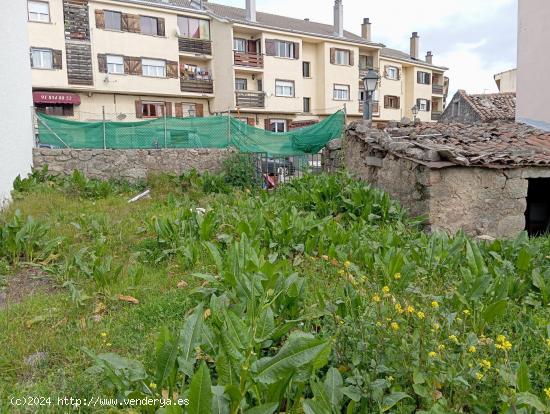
(25, 283)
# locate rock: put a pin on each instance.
(405, 121)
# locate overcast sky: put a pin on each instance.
(474, 38)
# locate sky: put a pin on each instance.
(474, 38)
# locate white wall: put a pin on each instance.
(533, 88)
(16, 139)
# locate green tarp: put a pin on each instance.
(210, 132)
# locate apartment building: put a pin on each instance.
(138, 59)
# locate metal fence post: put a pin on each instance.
(104, 129)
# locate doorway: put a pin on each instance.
(537, 216)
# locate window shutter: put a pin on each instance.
(130, 23)
(351, 58)
(385, 71)
(251, 121)
(132, 66)
(251, 46)
(168, 106)
(267, 124)
(125, 25)
(270, 47)
(398, 74)
(30, 55)
(386, 102)
(102, 63)
(332, 55)
(179, 110)
(418, 104)
(100, 19)
(161, 27)
(296, 50)
(139, 109)
(171, 69)
(418, 77)
(398, 105)
(200, 110)
(428, 106)
(287, 123)
(429, 79)
(57, 59)
(260, 85)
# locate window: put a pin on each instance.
(342, 57)
(115, 64)
(423, 78)
(423, 105)
(56, 110)
(277, 125)
(239, 45)
(194, 28)
(284, 88)
(341, 92)
(363, 95)
(39, 11)
(392, 73)
(391, 102)
(152, 109)
(149, 25)
(306, 69)
(366, 62)
(155, 68)
(307, 105)
(113, 20)
(42, 58)
(284, 49)
(241, 84)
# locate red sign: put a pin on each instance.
(56, 98)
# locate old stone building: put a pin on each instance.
(487, 179)
(480, 108)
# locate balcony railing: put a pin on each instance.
(197, 86)
(375, 107)
(197, 46)
(437, 89)
(363, 72)
(250, 99)
(436, 115)
(251, 60)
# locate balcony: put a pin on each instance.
(437, 89)
(250, 99)
(195, 46)
(375, 108)
(197, 86)
(363, 72)
(251, 60)
(436, 115)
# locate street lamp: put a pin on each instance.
(414, 110)
(192, 111)
(370, 82)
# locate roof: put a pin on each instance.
(492, 106)
(495, 145)
(399, 55)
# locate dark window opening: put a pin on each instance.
(537, 216)
(55, 109)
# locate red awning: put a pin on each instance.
(56, 98)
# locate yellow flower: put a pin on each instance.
(398, 308)
(376, 298)
(379, 324)
(421, 315)
(386, 290)
(454, 339)
(507, 345)
(342, 272)
(501, 339)
(466, 312)
(347, 264)
(103, 334)
(435, 305)
(432, 354)
(479, 376)
(548, 343)
(485, 364)
(410, 309)
(397, 276)
(441, 347)
(108, 344)
(459, 319)
(395, 326)
(547, 392)
(390, 378)
(472, 350)
(437, 326)
(153, 386)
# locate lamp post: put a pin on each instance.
(414, 110)
(370, 82)
(192, 112)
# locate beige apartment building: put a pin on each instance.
(138, 59)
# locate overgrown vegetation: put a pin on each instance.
(322, 297)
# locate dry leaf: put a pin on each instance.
(82, 322)
(183, 284)
(207, 313)
(100, 308)
(205, 283)
(165, 394)
(129, 299)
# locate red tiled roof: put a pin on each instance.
(492, 106)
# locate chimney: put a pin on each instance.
(366, 29)
(251, 10)
(415, 45)
(429, 58)
(339, 18)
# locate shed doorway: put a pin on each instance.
(537, 216)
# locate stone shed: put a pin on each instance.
(486, 179)
(488, 107)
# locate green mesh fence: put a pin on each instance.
(210, 132)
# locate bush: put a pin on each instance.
(239, 171)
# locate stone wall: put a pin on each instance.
(459, 110)
(332, 158)
(131, 165)
(480, 201)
